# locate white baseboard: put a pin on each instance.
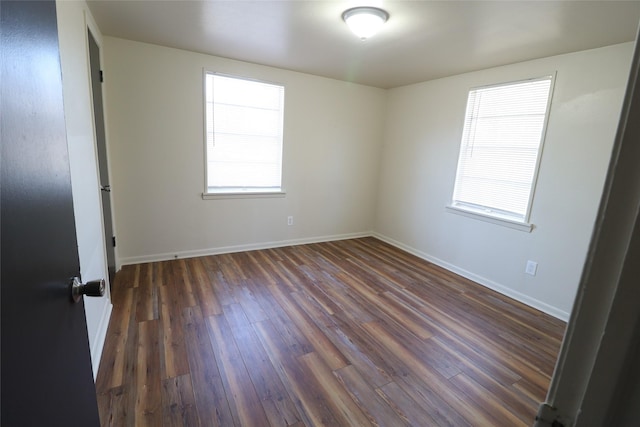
(525, 299)
(101, 336)
(239, 248)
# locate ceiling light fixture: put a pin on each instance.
(365, 21)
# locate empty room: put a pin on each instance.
(305, 213)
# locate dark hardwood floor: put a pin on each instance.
(346, 333)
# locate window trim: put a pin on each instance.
(244, 195)
(486, 214)
(476, 214)
(248, 192)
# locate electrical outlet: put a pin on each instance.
(290, 220)
(532, 268)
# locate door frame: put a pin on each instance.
(73, 20)
(107, 239)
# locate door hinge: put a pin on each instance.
(101, 76)
(113, 240)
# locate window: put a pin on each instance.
(243, 135)
(501, 144)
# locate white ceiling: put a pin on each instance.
(421, 41)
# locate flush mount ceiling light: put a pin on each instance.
(365, 21)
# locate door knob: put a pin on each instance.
(94, 288)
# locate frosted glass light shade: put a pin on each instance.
(365, 21)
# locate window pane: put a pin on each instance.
(243, 133)
(500, 147)
(245, 120)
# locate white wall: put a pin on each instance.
(73, 19)
(420, 151)
(359, 159)
(332, 136)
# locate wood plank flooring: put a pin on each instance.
(346, 333)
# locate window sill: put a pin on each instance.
(516, 225)
(249, 194)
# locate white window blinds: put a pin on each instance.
(503, 130)
(244, 120)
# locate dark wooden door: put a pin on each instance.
(103, 166)
(46, 377)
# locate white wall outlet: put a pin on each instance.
(290, 220)
(532, 268)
